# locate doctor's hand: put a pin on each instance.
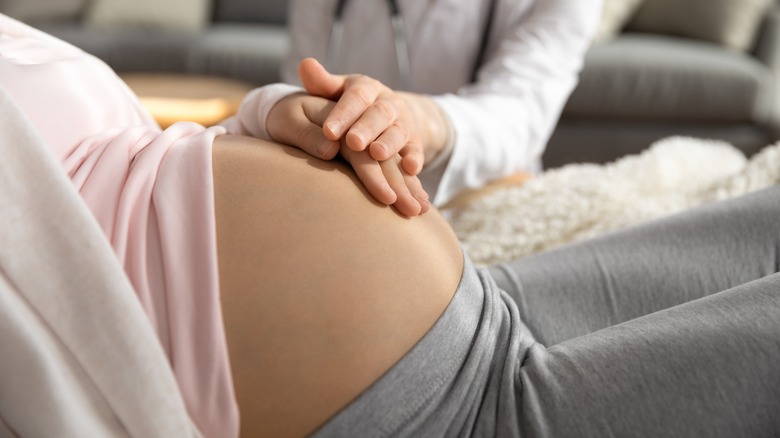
(370, 116)
(297, 120)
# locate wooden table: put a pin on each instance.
(463, 199)
(171, 98)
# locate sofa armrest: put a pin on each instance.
(767, 50)
(767, 47)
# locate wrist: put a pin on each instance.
(279, 116)
(258, 104)
(433, 126)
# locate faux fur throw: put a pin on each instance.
(579, 201)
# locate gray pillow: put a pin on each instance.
(614, 16)
(262, 11)
(731, 23)
(36, 11)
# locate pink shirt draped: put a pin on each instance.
(151, 192)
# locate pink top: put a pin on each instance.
(152, 194)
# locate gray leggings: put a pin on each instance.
(667, 329)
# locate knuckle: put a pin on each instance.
(402, 130)
(357, 77)
(362, 95)
(415, 145)
(399, 101)
(386, 109)
(364, 80)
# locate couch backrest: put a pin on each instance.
(261, 11)
(37, 11)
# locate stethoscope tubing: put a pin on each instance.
(400, 42)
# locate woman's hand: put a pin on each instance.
(297, 120)
(388, 182)
(370, 116)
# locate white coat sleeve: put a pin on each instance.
(502, 123)
(252, 115)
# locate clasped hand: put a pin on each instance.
(366, 122)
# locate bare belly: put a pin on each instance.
(323, 290)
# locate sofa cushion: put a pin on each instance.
(36, 11)
(128, 50)
(732, 23)
(585, 140)
(640, 76)
(249, 52)
(149, 14)
(261, 11)
(614, 16)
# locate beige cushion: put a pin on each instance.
(731, 23)
(188, 15)
(662, 78)
(615, 15)
(34, 11)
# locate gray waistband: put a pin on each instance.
(441, 385)
(403, 391)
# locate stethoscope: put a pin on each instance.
(399, 38)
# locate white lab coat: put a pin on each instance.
(502, 122)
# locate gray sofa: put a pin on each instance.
(641, 87)
(244, 39)
(634, 89)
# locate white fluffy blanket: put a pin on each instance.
(579, 201)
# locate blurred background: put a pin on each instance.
(703, 68)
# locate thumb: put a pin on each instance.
(295, 121)
(318, 81)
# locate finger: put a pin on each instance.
(359, 94)
(318, 81)
(370, 173)
(406, 203)
(308, 137)
(413, 158)
(295, 122)
(414, 185)
(316, 145)
(371, 124)
(389, 143)
(316, 111)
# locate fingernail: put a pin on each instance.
(324, 147)
(389, 191)
(355, 141)
(422, 196)
(334, 128)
